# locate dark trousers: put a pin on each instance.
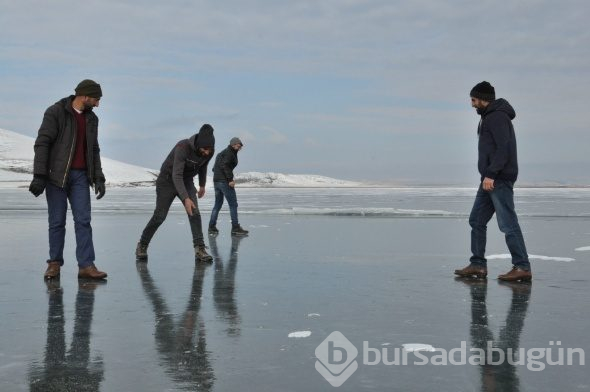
(222, 189)
(165, 195)
(77, 191)
(501, 202)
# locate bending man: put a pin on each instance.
(186, 160)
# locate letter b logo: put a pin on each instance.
(336, 359)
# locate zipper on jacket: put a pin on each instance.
(71, 154)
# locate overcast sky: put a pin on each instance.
(352, 89)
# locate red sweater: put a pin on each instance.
(79, 159)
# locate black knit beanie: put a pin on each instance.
(205, 138)
(88, 88)
(484, 91)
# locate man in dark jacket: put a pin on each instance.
(186, 160)
(224, 184)
(498, 167)
(66, 164)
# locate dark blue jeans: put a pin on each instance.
(222, 189)
(77, 191)
(501, 202)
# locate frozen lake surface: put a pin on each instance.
(374, 264)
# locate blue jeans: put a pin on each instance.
(501, 202)
(77, 191)
(222, 189)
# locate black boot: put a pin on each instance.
(202, 255)
(141, 251)
(238, 231)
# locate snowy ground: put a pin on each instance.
(304, 272)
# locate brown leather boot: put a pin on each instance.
(516, 274)
(473, 270)
(52, 271)
(91, 272)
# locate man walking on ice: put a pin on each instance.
(186, 160)
(498, 166)
(224, 184)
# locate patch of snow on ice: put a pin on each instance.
(299, 334)
(412, 347)
(538, 257)
(583, 249)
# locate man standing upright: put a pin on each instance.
(66, 164)
(187, 159)
(224, 184)
(498, 167)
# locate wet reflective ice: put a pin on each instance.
(319, 265)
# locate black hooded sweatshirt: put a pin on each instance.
(497, 142)
(184, 161)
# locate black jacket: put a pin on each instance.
(56, 143)
(184, 162)
(497, 142)
(225, 163)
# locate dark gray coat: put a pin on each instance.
(56, 143)
(183, 163)
(225, 163)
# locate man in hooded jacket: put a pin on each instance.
(498, 166)
(187, 159)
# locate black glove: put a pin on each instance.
(99, 188)
(38, 185)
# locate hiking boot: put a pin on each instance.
(91, 272)
(213, 231)
(516, 274)
(473, 270)
(201, 254)
(141, 250)
(52, 271)
(238, 231)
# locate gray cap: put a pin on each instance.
(235, 140)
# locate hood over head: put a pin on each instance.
(500, 105)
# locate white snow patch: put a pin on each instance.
(583, 249)
(299, 334)
(313, 315)
(538, 257)
(412, 347)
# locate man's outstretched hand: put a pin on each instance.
(189, 206)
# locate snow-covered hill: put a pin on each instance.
(16, 164)
(16, 169)
(257, 179)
